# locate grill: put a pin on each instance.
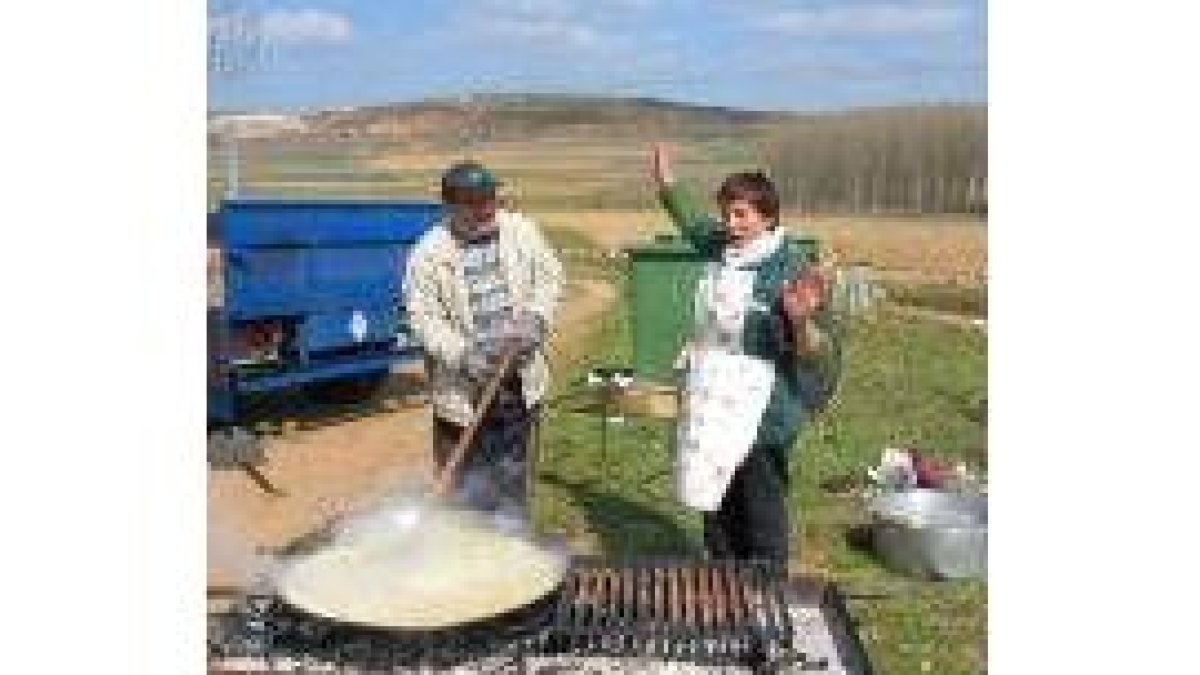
(710, 615)
(721, 612)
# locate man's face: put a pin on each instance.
(474, 212)
(743, 222)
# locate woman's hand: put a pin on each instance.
(660, 165)
(803, 297)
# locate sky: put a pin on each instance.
(295, 55)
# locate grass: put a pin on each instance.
(907, 383)
(608, 491)
(911, 383)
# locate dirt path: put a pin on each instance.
(322, 465)
(346, 458)
(585, 301)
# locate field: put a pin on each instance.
(551, 171)
(938, 249)
(597, 184)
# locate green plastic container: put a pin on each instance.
(661, 290)
(662, 283)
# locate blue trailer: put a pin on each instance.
(312, 296)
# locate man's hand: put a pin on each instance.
(478, 364)
(526, 331)
(660, 165)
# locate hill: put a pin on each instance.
(492, 117)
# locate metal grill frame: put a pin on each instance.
(714, 612)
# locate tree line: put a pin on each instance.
(930, 159)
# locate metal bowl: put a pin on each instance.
(931, 534)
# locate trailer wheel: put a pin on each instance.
(349, 389)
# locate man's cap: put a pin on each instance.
(471, 176)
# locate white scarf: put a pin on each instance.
(726, 292)
(754, 251)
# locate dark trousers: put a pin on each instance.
(493, 475)
(752, 520)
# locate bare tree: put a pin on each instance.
(913, 159)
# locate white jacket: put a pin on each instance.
(435, 296)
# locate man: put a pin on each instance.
(482, 280)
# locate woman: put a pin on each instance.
(762, 359)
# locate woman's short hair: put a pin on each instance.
(753, 187)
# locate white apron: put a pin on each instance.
(726, 391)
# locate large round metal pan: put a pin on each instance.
(451, 575)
